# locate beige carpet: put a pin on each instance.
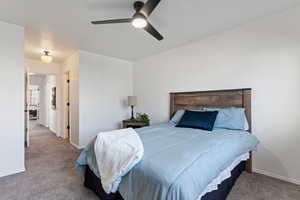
(51, 175)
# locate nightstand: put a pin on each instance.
(133, 124)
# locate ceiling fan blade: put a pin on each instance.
(149, 7)
(112, 21)
(150, 29)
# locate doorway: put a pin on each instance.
(33, 105)
(36, 103)
(44, 104)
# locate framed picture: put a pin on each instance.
(53, 98)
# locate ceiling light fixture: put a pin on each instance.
(46, 58)
(139, 21)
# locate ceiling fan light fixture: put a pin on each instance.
(46, 58)
(140, 19)
(139, 22)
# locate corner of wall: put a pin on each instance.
(277, 176)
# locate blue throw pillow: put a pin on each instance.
(199, 120)
(178, 115)
(230, 118)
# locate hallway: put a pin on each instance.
(50, 171)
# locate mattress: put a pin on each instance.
(179, 163)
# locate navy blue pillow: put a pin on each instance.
(199, 120)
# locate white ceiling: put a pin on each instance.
(63, 26)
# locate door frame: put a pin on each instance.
(67, 99)
(26, 112)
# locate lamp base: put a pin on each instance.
(132, 115)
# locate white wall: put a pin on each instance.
(54, 115)
(98, 95)
(71, 65)
(38, 67)
(105, 83)
(36, 80)
(251, 56)
(12, 99)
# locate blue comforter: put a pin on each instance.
(178, 163)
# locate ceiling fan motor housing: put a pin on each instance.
(138, 5)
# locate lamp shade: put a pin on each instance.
(132, 100)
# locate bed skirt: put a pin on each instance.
(92, 182)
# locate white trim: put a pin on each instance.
(12, 172)
(53, 131)
(66, 99)
(273, 175)
(76, 146)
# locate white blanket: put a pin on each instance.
(117, 152)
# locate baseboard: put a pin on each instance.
(12, 172)
(53, 131)
(273, 175)
(76, 146)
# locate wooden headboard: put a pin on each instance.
(213, 99)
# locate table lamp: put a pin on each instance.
(132, 101)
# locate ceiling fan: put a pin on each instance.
(140, 18)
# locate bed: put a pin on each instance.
(184, 163)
